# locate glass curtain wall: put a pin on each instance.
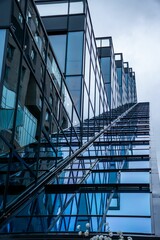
(76, 42)
(108, 67)
(99, 187)
(121, 78)
(36, 108)
(130, 83)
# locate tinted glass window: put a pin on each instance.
(2, 37)
(58, 43)
(74, 53)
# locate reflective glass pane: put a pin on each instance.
(97, 101)
(85, 105)
(74, 86)
(67, 102)
(74, 53)
(75, 118)
(53, 68)
(138, 164)
(52, 9)
(92, 86)
(76, 7)
(135, 177)
(2, 37)
(105, 66)
(127, 201)
(130, 224)
(58, 43)
(18, 22)
(9, 89)
(87, 67)
(106, 42)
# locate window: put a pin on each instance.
(76, 7)
(58, 43)
(47, 116)
(74, 53)
(2, 37)
(52, 9)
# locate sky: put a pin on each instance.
(135, 28)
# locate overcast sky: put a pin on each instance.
(135, 28)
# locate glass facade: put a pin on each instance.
(36, 108)
(2, 37)
(130, 83)
(109, 71)
(76, 43)
(101, 184)
(121, 79)
(74, 143)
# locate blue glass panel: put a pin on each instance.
(74, 86)
(53, 69)
(128, 200)
(92, 86)
(135, 177)
(97, 101)
(58, 43)
(144, 164)
(67, 101)
(87, 67)
(127, 224)
(106, 69)
(52, 9)
(27, 127)
(74, 53)
(76, 7)
(75, 118)
(119, 75)
(85, 107)
(2, 37)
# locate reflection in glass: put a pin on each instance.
(128, 204)
(74, 53)
(53, 68)
(135, 177)
(76, 7)
(74, 86)
(52, 9)
(58, 43)
(2, 37)
(9, 89)
(27, 131)
(127, 224)
(67, 102)
(92, 86)
(85, 105)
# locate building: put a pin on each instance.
(75, 158)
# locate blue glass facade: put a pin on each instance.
(130, 83)
(81, 66)
(120, 86)
(121, 79)
(74, 143)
